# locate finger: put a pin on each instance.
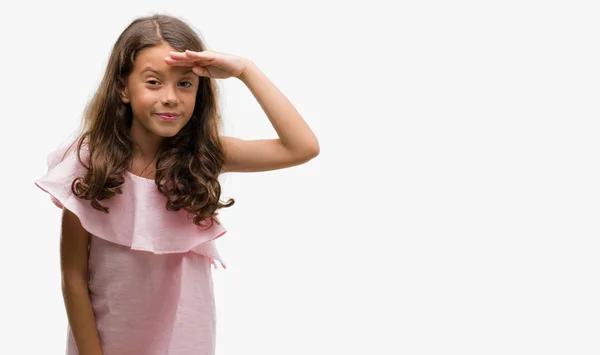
(188, 54)
(177, 55)
(178, 61)
(200, 71)
(199, 55)
(181, 63)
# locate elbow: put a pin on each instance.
(310, 153)
(314, 150)
(302, 154)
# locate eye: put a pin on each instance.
(186, 84)
(152, 82)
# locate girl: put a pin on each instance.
(139, 191)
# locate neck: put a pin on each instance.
(145, 151)
(145, 146)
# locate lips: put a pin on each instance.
(168, 116)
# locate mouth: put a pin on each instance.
(168, 116)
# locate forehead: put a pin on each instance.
(154, 58)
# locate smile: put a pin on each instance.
(168, 116)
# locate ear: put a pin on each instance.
(124, 92)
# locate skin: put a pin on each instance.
(166, 81)
(152, 88)
(171, 86)
(74, 278)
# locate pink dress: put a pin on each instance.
(150, 278)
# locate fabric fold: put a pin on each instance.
(137, 218)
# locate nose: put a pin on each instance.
(169, 96)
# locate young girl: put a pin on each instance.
(139, 191)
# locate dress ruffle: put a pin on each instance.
(137, 218)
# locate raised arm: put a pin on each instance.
(297, 144)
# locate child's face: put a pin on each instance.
(162, 97)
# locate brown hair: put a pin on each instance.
(190, 162)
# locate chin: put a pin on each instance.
(167, 134)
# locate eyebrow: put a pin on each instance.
(150, 69)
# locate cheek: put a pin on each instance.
(189, 102)
(143, 102)
(144, 98)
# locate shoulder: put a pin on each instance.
(67, 150)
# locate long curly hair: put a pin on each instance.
(188, 164)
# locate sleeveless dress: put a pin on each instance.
(150, 279)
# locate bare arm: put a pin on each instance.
(74, 271)
(296, 143)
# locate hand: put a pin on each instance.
(210, 63)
